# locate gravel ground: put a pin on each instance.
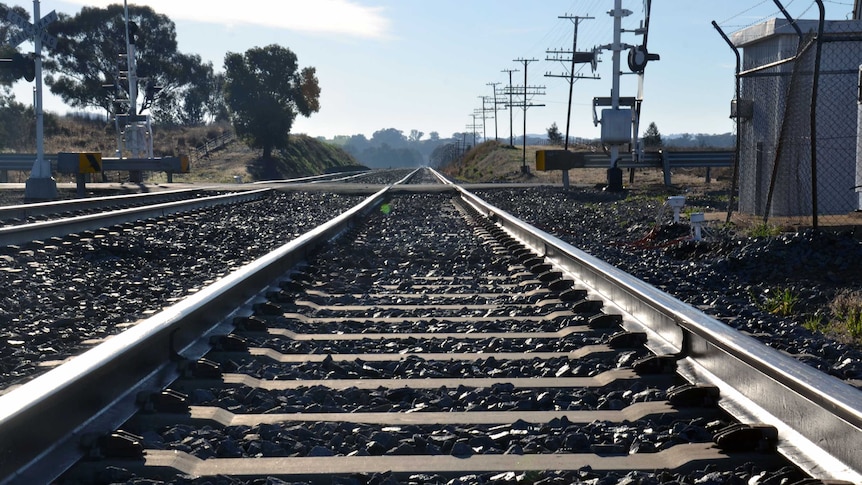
(381, 177)
(16, 196)
(59, 294)
(145, 267)
(390, 256)
(568, 343)
(725, 275)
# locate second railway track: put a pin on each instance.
(437, 341)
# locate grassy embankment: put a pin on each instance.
(304, 155)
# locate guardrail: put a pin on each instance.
(25, 161)
(664, 159)
(21, 162)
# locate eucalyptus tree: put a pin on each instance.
(264, 91)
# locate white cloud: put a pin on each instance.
(346, 17)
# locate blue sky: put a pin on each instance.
(423, 64)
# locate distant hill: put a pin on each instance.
(699, 140)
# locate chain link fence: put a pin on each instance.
(798, 124)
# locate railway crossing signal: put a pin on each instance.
(41, 185)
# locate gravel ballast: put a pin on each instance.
(385, 253)
(386, 256)
(58, 295)
(725, 275)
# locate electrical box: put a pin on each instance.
(616, 126)
(742, 108)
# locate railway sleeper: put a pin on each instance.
(334, 423)
(321, 469)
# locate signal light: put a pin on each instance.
(21, 66)
(638, 58)
(134, 33)
(150, 93)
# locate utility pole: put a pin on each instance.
(511, 94)
(576, 57)
(484, 117)
(473, 127)
(494, 90)
(528, 91)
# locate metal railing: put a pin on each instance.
(665, 160)
(203, 150)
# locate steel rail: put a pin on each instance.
(819, 418)
(326, 177)
(23, 211)
(22, 233)
(39, 428)
(407, 177)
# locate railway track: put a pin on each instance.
(28, 222)
(444, 339)
(25, 213)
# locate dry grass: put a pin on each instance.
(73, 134)
(77, 134)
(221, 167)
(496, 162)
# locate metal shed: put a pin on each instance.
(775, 108)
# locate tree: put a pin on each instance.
(356, 144)
(554, 135)
(264, 91)
(88, 56)
(434, 136)
(415, 135)
(651, 137)
(443, 155)
(389, 136)
(199, 100)
(216, 107)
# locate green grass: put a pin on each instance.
(815, 323)
(659, 199)
(692, 209)
(778, 302)
(763, 230)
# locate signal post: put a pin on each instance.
(41, 185)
